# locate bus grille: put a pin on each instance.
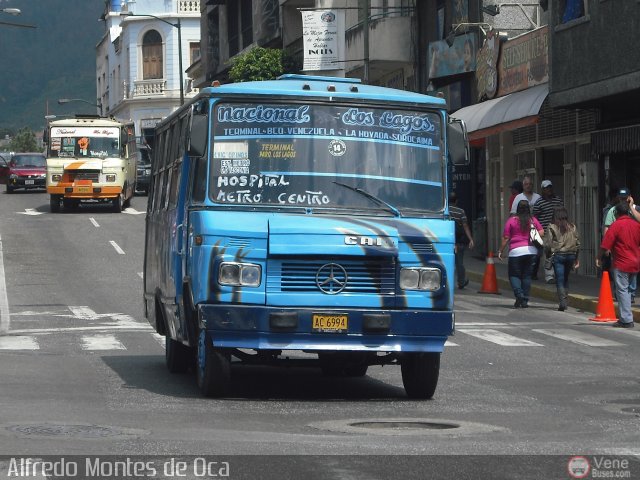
(93, 175)
(371, 276)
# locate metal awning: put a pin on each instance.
(512, 111)
(614, 140)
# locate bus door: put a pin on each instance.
(180, 244)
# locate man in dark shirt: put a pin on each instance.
(463, 238)
(543, 211)
(622, 240)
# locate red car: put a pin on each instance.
(23, 170)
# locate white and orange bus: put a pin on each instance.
(90, 158)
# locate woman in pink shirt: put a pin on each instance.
(521, 252)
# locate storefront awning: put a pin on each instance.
(614, 140)
(512, 111)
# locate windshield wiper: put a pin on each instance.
(390, 208)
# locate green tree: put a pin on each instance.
(24, 141)
(261, 64)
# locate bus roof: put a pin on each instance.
(80, 121)
(328, 87)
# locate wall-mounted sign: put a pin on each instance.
(459, 58)
(322, 31)
(486, 71)
(524, 62)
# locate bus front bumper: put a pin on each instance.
(93, 191)
(259, 327)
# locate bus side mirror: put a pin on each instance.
(199, 135)
(458, 142)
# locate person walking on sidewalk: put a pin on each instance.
(543, 210)
(527, 194)
(463, 238)
(623, 195)
(622, 241)
(516, 189)
(561, 246)
(521, 252)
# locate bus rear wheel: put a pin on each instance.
(213, 368)
(420, 373)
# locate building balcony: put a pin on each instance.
(149, 88)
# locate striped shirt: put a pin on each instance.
(543, 209)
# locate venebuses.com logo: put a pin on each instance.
(598, 467)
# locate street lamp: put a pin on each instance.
(62, 101)
(175, 25)
(481, 26)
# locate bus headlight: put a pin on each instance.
(239, 274)
(419, 278)
(56, 177)
(110, 178)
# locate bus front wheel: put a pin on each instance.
(176, 355)
(420, 373)
(118, 203)
(213, 369)
(54, 203)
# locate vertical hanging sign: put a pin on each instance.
(321, 40)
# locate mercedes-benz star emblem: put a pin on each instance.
(331, 278)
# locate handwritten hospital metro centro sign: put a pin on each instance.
(323, 39)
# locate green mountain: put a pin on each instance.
(57, 59)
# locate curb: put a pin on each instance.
(580, 302)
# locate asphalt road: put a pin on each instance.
(521, 392)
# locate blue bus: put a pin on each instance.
(305, 214)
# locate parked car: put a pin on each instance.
(4, 166)
(144, 169)
(26, 170)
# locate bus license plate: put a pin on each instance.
(29, 182)
(83, 189)
(329, 323)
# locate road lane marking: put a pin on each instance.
(141, 274)
(101, 342)
(18, 342)
(84, 313)
(117, 247)
(132, 211)
(580, 338)
(30, 211)
(5, 318)
(95, 223)
(103, 328)
(501, 338)
(449, 343)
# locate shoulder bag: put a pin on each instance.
(534, 237)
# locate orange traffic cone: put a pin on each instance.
(489, 280)
(605, 311)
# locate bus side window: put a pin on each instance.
(173, 190)
(199, 180)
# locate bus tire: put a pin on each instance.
(213, 369)
(420, 373)
(117, 204)
(127, 201)
(177, 355)
(54, 203)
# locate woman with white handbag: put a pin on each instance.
(521, 232)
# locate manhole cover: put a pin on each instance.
(406, 425)
(74, 431)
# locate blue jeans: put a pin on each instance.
(623, 280)
(460, 270)
(562, 266)
(520, 269)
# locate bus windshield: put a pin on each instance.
(343, 158)
(79, 142)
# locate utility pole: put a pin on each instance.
(365, 39)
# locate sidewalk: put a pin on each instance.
(583, 289)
